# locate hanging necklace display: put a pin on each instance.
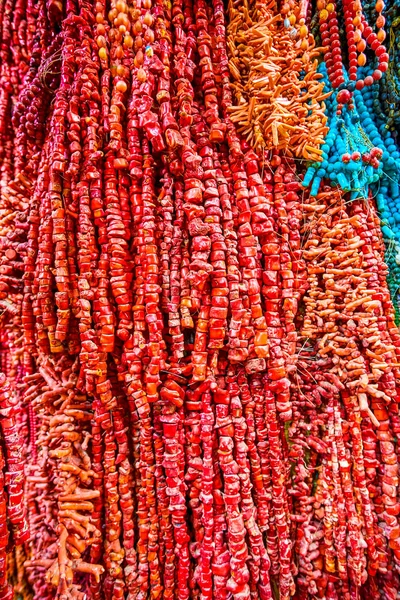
(353, 155)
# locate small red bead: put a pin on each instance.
(384, 57)
(383, 67)
(367, 31)
(344, 96)
(323, 27)
(377, 74)
(376, 152)
(352, 56)
(359, 84)
(368, 81)
(375, 45)
(380, 49)
(356, 156)
(370, 39)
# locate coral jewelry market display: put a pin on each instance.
(199, 300)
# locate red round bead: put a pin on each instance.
(359, 84)
(344, 96)
(383, 67)
(323, 27)
(377, 74)
(352, 56)
(346, 158)
(376, 152)
(384, 57)
(370, 39)
(375, 45)
(368, 81)
(367, 31)
(356, 156)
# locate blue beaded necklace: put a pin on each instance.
(360, 155)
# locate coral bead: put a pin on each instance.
(361, 45)
(344, 96)
(362, 59)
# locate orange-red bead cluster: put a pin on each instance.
(359, 36)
